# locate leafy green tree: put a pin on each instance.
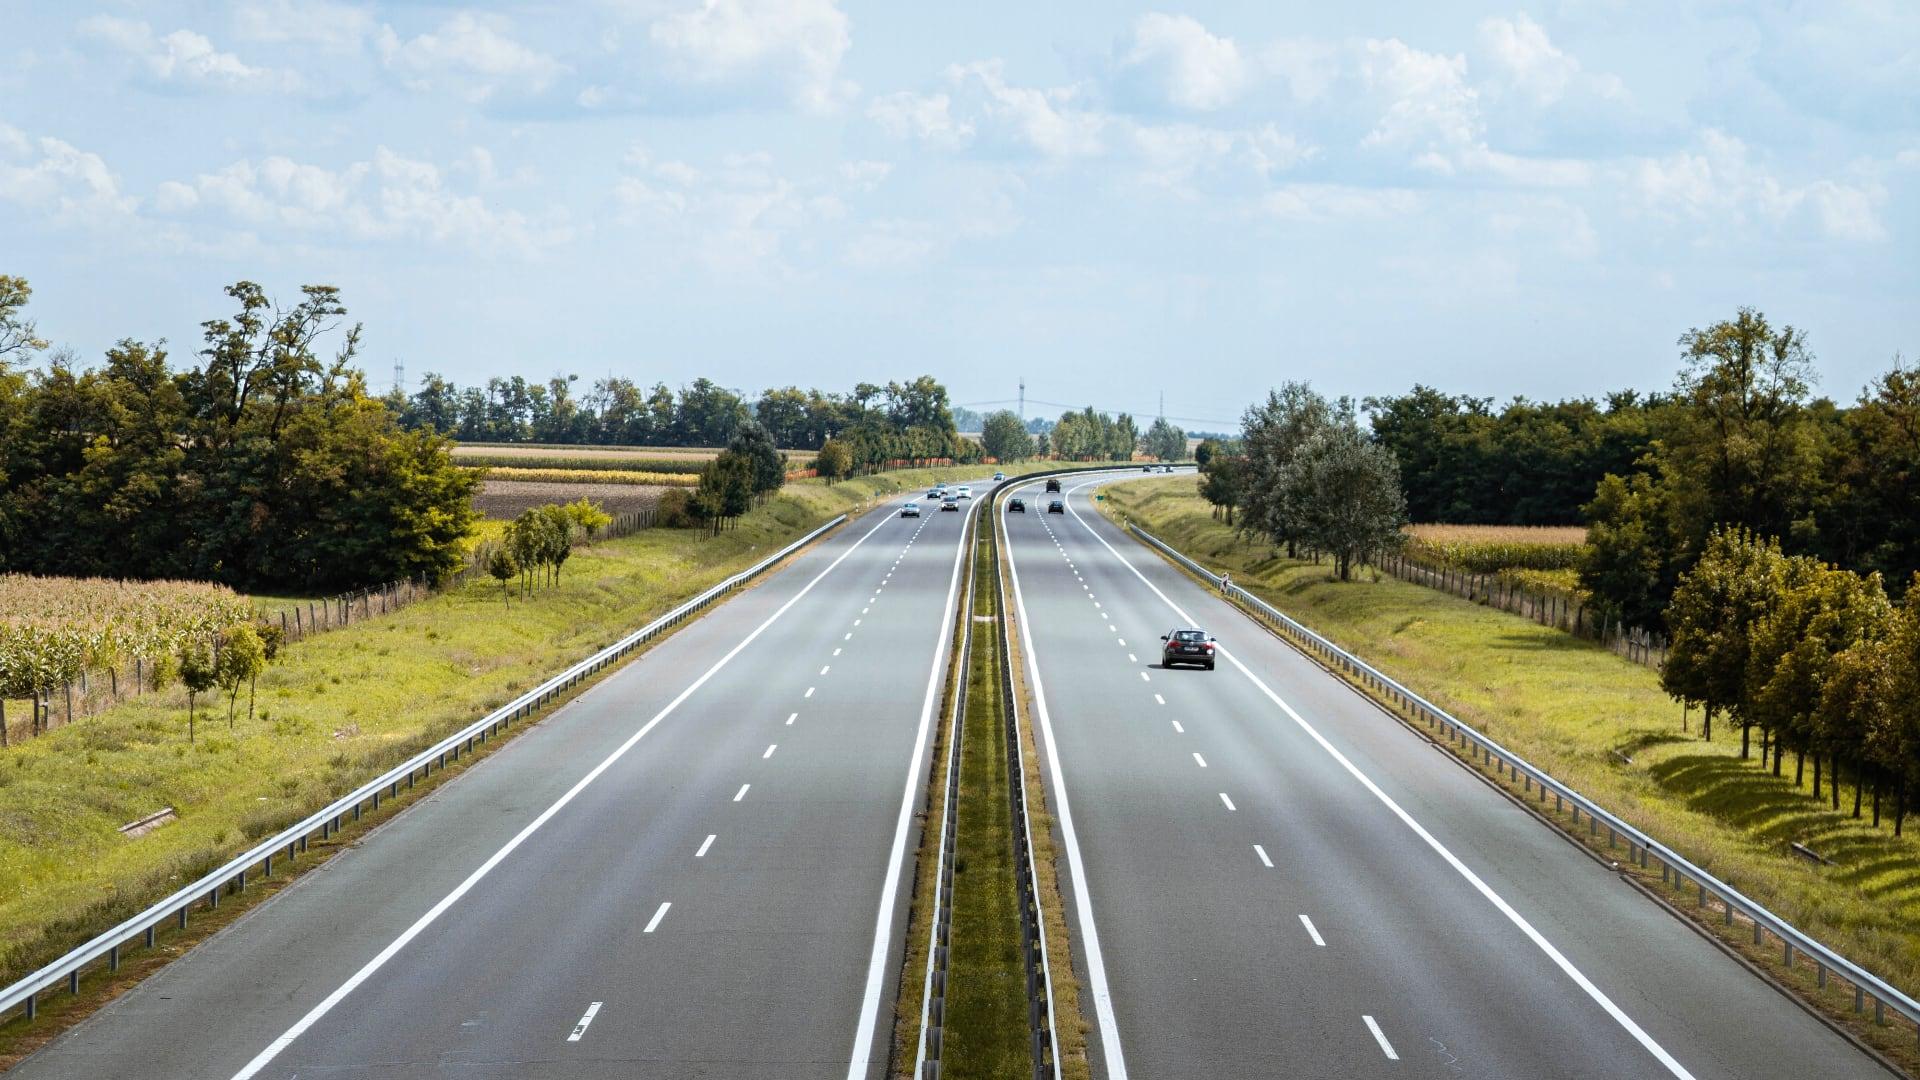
(1824, 612)
(1895, 744)
(1342, 494)
(1165, 441)
(726, 489)
(834, 461)
(588, 517)
(1223, 483)
(241, 659)
(754, 443)
(559, 524)
(198, 673)
(1728, 591)
(18, 336)
(1275, 433)
(1004, 437)
(530, 540)
(272, 640)
(1627, 565)
(1203, 454)
(502, 567)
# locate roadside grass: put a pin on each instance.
(337, 709)
(1568, 705)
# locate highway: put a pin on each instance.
(698, 868)
(1271, 877)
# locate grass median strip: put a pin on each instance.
(1603, 726)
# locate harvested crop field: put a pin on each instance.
(602, 477)
(639, 455)
(505, 499)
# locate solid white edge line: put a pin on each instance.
(704, 845)
(1312, 931)
(1116, 1061)
(1381, 1038)
(580, 1028)
(1500, 904)
(326, 1005)
(863, 1036)
(1264, 861)
(657, 916)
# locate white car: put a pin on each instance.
(911, 509)
(966, 493)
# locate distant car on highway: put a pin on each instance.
(1166, 468)
(1056, 507)
(933, 494)
(1016, 506)
(950, 502)
(1146, 468)
(999, 476)
(966, 493)
(1186, 645)
(1053, 485)
(911, 509)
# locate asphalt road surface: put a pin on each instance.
(693, 870)
(1270, 877)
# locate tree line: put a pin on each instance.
(1818, 658)
(261, 462)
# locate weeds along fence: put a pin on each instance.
(1564, 613)
(97, 689)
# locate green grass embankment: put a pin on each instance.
(1568, 705)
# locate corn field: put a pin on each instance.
(51, 629)
(1489, 549)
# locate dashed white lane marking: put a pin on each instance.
(1158, 700)
(1144, 678)
(856, 622)
(1132, 659)
(742, 793)
(824, 668)
(771, 747)
(836, 651)
(1314, 933)
(1381, 1038)
(791, 717)
(849, 637)
(863, 611)
(704, 845)
(809, 692)
(1110, 626)
(1123, 642)
(1264, 861)
(1198, 760)
(580, 1028)
(657, 916)
(1178, 729)
(1229, 802)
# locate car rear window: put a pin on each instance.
(1189, 635)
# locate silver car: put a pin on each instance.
(911, 509)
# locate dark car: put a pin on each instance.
(1146, 468)
(1016, 506)
(1053, 485)
(1056, 507)
(1186, 645)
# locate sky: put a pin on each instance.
(1112, 202)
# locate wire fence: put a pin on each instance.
(1566, 613)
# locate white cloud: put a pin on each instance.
(866, 175)
(1427, 102)
(1309, 67)
(1186, 65)
(796, 45)
(1174, 154)
(390, 197)
(1314, 203)
(928, 118)
(55, 177)
(1720, 186)
(1526, 63)
(321, 23)
(474, 53)
(182, 57)
(1049, 121)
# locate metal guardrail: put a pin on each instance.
(1676, 871)
(327, 821)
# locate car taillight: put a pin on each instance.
(1209, 648)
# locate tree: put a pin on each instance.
(1004, 437)
(242, 657)
(502, 568)
(1275, 434)
(1627, 565)
(1343, 494)
(834, 461)
(559, 536)
(18, 336)
(1222, 483)
(587, 516)
(1203, 454)
(725, 491)
(1823, 612)
(1712, 616)
(198, 674)
(530, 539)
(754, 443)
(1164, 441)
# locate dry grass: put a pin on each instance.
(593, 476)
(504, 500)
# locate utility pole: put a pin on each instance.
(1023, 401)
(400, 376)
(1163, 406)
